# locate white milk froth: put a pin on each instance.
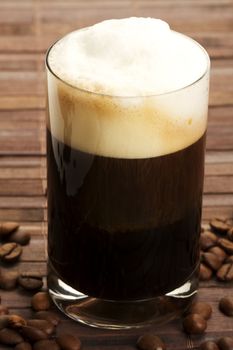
(120, 91)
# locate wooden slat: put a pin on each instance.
(22, 215)
(21, 187)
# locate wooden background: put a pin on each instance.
(27, 29)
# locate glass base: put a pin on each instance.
(121, 314)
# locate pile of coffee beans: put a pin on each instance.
(216, 244)
(13, 239)
(38, 333)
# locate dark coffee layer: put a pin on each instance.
(124, 228)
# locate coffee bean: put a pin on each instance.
(8, 279)
(33, 334)
(205, 273)
(207, 240)
(201, 308)
(30, 281)
(41, 301)
(10, 337)
(16, 321)
(212, 260)
(230, 234)
(4, 321)
(44, 325)
(11, 321)
(219, 252)
(8, 227)
(46, 345)
(68, 342)
(219, 226)
(209, 345)
(3, 310)
(48, 316)
(10, 252)
(226, 305)
(225, 343)
(194, 324)
(222, 272)
(225, 273)
(226, 245)
(23, 238)
(150, 342)
(23, 346)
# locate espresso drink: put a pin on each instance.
(125, 143)
(124, 228)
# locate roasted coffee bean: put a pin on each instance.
(207, 240)
(10, 252)
(41, 301)
(226, 245)
(150, 342)
(212, 260)
(209, 345)
(3, 310)
(8, 279)
(69, 342)
(10, 337)
(16, 321)
(225, 343)
(11, 321)
(226, 305)
(201, 308)
(46, 345)
(4, 321)
(219, 252)
(20, 237)
(44, 325)
(33, 334)
(23, 346)
(7, 227)
(225, 273)
(205, 273)
(30, 281)
(194, 324)
(219, 226)
(48, 316)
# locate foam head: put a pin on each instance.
(128, 57)
(99, 67)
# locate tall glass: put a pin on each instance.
(125, 181)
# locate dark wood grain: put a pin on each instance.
(27, 29)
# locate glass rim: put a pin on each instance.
(82, 90)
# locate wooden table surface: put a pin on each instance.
(27, 28)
